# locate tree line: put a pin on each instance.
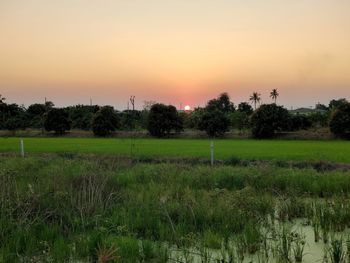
(216, 118)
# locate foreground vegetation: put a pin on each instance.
(109, 209)
(334, 151)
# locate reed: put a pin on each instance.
(337, 253)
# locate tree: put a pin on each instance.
(214, 122)
(335, 104)
(221, 103)
(15, 123)
(214, 118)
(36, 109)
(8, 112)
(300, 122)
(57, 120)
(35, 114)
(340, 121)
(194, 117)
(245, 107)
(105, 121)
(163, 119)
(268, 119)
(240, 120)
(319, 119)
(255, 98)
(274, 94)
(81, 116)
(130, 119)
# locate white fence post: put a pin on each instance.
(22, 148)
(212, 153)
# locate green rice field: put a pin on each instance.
(298, 150)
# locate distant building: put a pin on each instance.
(306, 111)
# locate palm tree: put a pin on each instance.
(274, 94)
(255, 98)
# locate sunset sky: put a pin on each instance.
(174, 51)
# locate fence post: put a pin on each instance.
(22, 148)
(212, 153)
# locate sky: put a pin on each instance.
(174, 51)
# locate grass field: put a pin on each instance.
(57, 209)
(334, 151)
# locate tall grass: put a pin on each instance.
(63, 209)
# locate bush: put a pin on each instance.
(340, 121)
(57, 120)
(163, 119)
(105, 121)
(268, 119)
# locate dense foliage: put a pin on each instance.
(105, 121)
(214, 119)
(81, 116)
(57, 120)
(163, 119)
(340, 121)
(268, 119)
(214, 122)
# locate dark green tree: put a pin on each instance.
(130, 119)
(81, 116)
(335, 104)
(57, 120)
(274, 95)
(268, 119)
(8, 112)
(214, 122)
(105, 121)
(319, 119)
(255, 98)
(35, 114)
(194, 117)
(340, 121)
(221, 103)
(300, 122)
(240, 121)
(163, 119)
(245, 107)
(214, 118)
(16, 123)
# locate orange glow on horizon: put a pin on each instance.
(173, 51)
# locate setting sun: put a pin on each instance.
(187, 108)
